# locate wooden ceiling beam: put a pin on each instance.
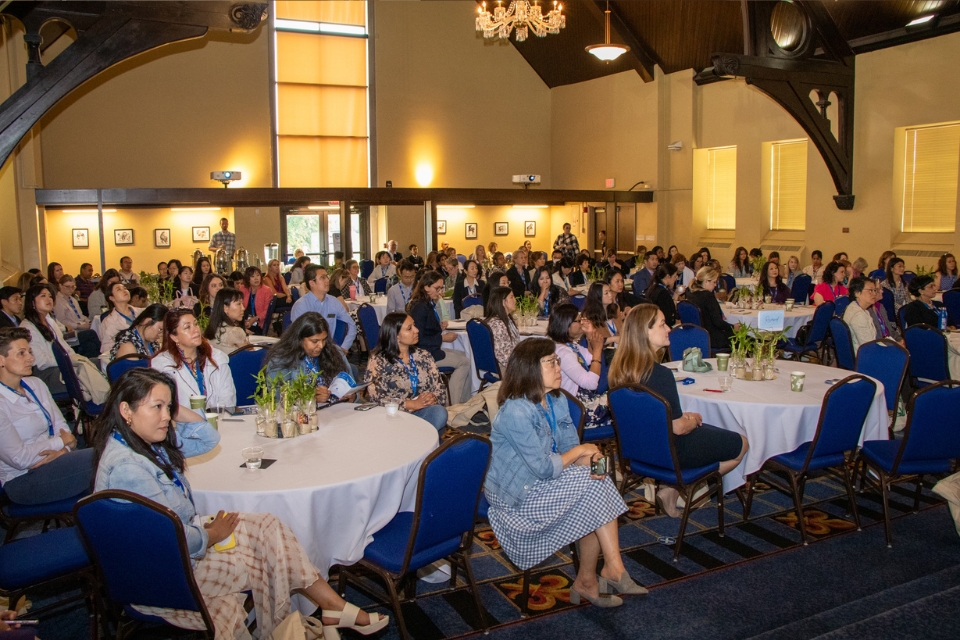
(640, 57)
(894, 37)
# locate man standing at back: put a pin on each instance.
(567, 243)
(318, 284)
(224, 239)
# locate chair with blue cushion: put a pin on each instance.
(121, 365)
(908, 276)
(45, 559)
(462, 259)
(886, 299)
(245, 363)
(86, 409)
(484, 357)
(380, 285)
(815, 337)
(441, 525)
(843, 344)
(578, 300)
(141, 555)
(13, 516)
(951, 300)
(930, 444)
(644, 430)
(472, 301)
(928, 355)
(902, 318)
(840, 306)
(366, 268)
(685, 336)
(842, 414)
(287, 276)
(800, 291)
(340, 333)
(271, 308)
(369, 324)
(729, 282)
(886, 361)
(689, 313)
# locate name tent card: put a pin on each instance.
(770, 320)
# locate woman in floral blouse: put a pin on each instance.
(399, 371)
(500, 305)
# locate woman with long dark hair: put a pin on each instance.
(225, 331)
(432, 332)
(663, 292)
(54, 272)
(772, 284)
(582, 367)
(201, 270)
(740, 266)
(256, 297)
(143, 336)
(498, 315)
(832, 286)
(645, 332)
(38, 304)
(97, 302)
(197, 368)
(296, 271)
(211, 284)
(541, 492)
(398, 371)
(599, 299)
(494, 279)
(142, 441)
(307, 347)
(946, 273)
(121, 316)
(548, 295)
(621, 296)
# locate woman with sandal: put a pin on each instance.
(541, 492)
(142, 440)
(645, 332)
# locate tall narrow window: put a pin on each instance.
(788, 185)
(321, 93)
(715, 186)
(931, 161)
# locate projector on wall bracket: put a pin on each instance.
(226, 177)
(526, 179)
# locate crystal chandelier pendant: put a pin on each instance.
(521, 16)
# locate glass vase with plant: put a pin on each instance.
(265, 397)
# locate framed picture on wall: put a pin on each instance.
(470, 231)
(81, 238)
(161, 237)
(529, 228)
(201, 234)
(122, 236)
(501, 228)
(441, 227)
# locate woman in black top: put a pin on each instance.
(469, 285)
(495, 279)
(621, 296)
(662, 292)
(773, 285)
(645, 332)
(921, 310)
(548, 295)
(701, 294)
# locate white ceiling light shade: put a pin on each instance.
(607, 51)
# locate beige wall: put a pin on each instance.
(476, 121)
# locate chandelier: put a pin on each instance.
(607, 51)
(521, 15)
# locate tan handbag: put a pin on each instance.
(299, 627)
(949, 490)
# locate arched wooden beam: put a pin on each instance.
(108, 33)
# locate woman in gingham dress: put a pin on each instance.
(541, 492)
(138, 451)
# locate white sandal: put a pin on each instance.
(348, 620)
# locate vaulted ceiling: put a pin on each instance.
(684, 34)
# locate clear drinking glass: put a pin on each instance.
(252, 457)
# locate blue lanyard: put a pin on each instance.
(383, 271)
(313, 364)
(128, 319)
(612, 326)
(46, 414)
(433, 305)
(414, 375)
(552, 421)
(580, 358)
(162, 454)
(73, 306)
(198, 375)
(405, 294)
(471, 290)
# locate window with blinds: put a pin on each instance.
(321, 93)
(715, 186)
(788, 185)
(931, 161)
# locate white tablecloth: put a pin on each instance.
(749, 281)
(793, 319)
(380, 306)
(334, 488)
(462, 343)
(774, 419)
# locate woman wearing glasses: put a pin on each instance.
(865, 316)
(541, 491)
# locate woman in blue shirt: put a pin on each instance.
(142, 441)
(541, 492)
(307, 347)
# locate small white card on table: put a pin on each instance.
(770, 320)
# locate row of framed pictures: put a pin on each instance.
(499, 229)
(161, 237)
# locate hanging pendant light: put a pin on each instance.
(607, 51)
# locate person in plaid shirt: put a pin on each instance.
(223, 239)
(567, 243)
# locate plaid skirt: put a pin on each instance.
(555, 513)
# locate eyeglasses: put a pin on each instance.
(550, 361)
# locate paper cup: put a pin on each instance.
(796, 380)
(723, 361)
(198, 403)
(789, 304)
(212, 419)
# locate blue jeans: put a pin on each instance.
(69, 475)
(435, 414)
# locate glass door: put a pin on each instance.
(316, 230)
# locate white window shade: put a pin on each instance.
(715, 176)
(788, 185)
(930, 166)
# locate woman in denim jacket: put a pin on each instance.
(138, 451)
(541, 492)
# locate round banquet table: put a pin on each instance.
(462, 343)
(380, 306)
(334, 488)
(774, 419)
(795, 319)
